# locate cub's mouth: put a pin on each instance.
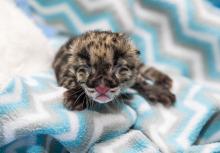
(102, 98)
(102, 93)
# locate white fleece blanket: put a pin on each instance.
(24, 50)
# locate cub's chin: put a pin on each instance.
(102, 99)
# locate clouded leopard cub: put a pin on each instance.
(96, 66)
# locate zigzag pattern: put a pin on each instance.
(191, 33)
(177, 36)
(169, 36)
(34, 112)
(44, 114)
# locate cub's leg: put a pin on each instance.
(158, 77)
(155, 92)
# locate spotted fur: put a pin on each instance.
(104, 57)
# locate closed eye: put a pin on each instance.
(124, 70)
(83, 69)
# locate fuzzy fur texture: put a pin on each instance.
(106, 60)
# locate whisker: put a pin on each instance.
(79, 97)
(87, 103)
(76, 91)
(116, 101)
(92, 103)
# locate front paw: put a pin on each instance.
(164, 81)
(73, 101)
(163, 96)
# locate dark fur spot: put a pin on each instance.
(84, 54)
(90, 44)
(106, 46)
(118, 54)
(65, 58)
(104, 38)
(114, 39)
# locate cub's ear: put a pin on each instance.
(138, 52)
(122, 34)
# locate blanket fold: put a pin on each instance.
(32, 106)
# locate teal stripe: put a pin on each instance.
(193, 24)
(211, 109)
(140, 145)
(206, 27)
(205, 48)
(211, 130)
(36, 149)
(60, 126)
(23, 102)
(159, 57)
(83, 16)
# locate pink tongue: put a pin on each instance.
(102, 89)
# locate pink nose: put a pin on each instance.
(102, 89)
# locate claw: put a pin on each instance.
(152, 98)
(162, 95)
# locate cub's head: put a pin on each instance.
(103, 63)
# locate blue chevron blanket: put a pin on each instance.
(178, 35)
(33, 119)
